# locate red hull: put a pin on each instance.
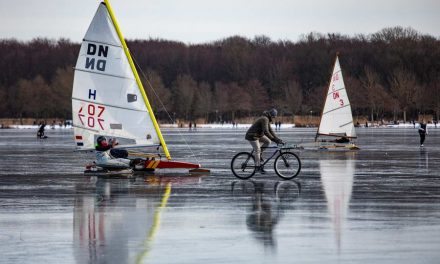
(165, 164)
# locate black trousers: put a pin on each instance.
(119, 153)
(422, 137)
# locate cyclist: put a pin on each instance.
(260, 134)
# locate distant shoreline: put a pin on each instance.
(230, 126)
(287, 121)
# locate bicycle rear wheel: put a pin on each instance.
(287, 165)
(243, 165)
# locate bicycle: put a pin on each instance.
(287, 164)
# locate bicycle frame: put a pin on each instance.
(285, 166)
(279, 151)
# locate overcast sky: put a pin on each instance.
(200, 21)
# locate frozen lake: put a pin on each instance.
(378, 205)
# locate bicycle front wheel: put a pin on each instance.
(243, 165)
(287, 165)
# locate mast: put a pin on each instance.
(326, 94)
(138, 80)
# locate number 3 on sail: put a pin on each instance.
(108, 98)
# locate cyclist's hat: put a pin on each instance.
(273, 112)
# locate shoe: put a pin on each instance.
(261, 170)
(421, 145)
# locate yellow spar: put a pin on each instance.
(138, 80)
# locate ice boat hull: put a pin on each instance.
(326, 145)
(167, 164)
(337, 146)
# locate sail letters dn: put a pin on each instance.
(101, 52)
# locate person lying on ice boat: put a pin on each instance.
(338, 140)
(260, 134)
(342, 140)
(108, 157)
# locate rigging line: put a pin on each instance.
(164, 108)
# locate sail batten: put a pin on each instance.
(85, 128)
(351, 122)
(336, 90)
(126, 108)
(336, 118)
(336, 109)
(104, 43)
(106, 74)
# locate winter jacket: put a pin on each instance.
(423, 129)
(260, 128)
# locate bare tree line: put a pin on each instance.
(394, 73)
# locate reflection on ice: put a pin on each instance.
(388, 213)
(337, 180)
(117, 222)
(424, 159)
(267, 205)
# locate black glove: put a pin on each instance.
(280, 142)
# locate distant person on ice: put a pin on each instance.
(423, 131)
(40, 133)
(260, 134)
(108, 157)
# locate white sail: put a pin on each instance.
(337, 119)
(106, 98)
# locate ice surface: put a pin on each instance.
(377, 205)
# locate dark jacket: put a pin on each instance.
(422, 129)
(260, 128)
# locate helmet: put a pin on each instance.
(100, 139)
(273, 112)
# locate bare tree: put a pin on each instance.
(260, 97)
(376, 95)
(239, 100)
(61, 88)
(393, 34)
(290, 98)
(184, 89)
(158, 95)
(36, 98)
(431, 98)
(221, 100)
(4, 101)
(203, 101)
(403, 86)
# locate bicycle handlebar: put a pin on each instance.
(282, 146)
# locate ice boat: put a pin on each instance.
(108, 97)
(336, 129)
